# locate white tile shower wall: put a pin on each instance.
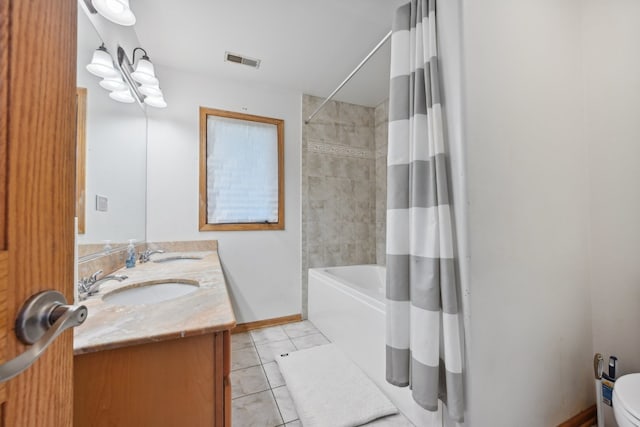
(338, 187)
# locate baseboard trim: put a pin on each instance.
(244, 327)
(588, 417)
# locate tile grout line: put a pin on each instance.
(250, 394)
(277, 406)
(271, 390)
(268, 382)
(246, 367)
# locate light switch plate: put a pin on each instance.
(102, 203)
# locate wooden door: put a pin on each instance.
(37, 149)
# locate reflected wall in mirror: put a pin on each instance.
(115, 164)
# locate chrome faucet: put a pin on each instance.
(146, 255)
(88, 286)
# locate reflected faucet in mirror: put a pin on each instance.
(88, 286)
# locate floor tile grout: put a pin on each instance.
(245, 367)
(251, 394)
(261, 364)
(277, 406)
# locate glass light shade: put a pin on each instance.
(148, 90)
(117, 11)
(122, 96)
(155, 101)
(113, 84)
(101, 64)
(145, 73)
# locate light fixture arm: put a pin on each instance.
(133, 55)
(150, 94)
(127, 69)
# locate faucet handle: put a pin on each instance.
(154, 251)
(146, 255)
(95, 275)
(83, 284)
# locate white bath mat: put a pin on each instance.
(330, 390)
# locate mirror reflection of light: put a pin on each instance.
(155, 101)
(101, 64)
(117, 11)
(145, 73)
(115, 6)
(122, 96)
(113, 84)
(149, 90)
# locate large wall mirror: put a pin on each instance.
(112, 209)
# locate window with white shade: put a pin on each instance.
(241, 175)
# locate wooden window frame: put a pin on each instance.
(279, 123)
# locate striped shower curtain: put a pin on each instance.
(423, 336)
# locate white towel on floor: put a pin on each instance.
(329, 390)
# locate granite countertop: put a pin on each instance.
(204, 311)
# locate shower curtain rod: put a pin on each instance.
(364, 61)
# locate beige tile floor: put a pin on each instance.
(260, 397)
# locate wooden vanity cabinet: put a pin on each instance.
(177, 382)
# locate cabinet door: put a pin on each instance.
(165, 383)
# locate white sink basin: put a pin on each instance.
(151, 292)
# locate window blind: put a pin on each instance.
(242, 171)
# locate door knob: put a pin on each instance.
(41, 319)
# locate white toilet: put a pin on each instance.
(626, 400)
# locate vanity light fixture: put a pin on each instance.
(117, 11)
(144, 73)
(126, 84)
(101, 63)
(114, 83)
(102, 66)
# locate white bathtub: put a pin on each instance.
(347, 305)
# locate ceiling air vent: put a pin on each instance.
(239, 59)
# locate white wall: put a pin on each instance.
(531, 349)
(611, 38)
(262, 267)
(450, 26)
